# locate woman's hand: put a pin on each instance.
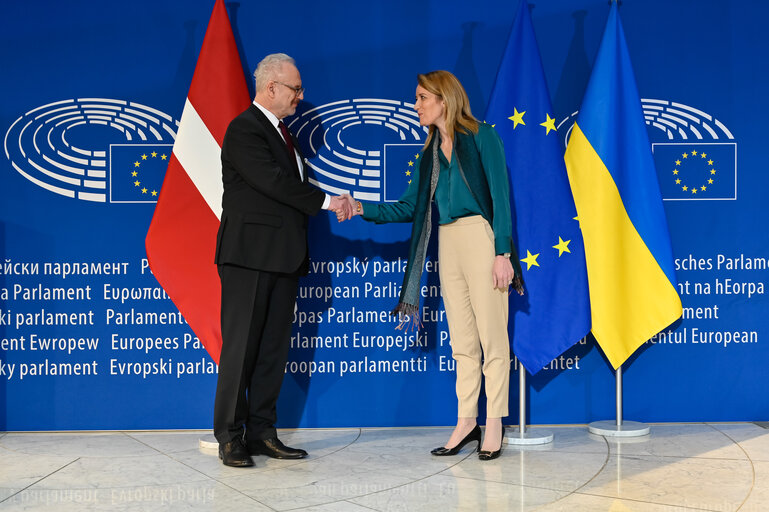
(502, 272)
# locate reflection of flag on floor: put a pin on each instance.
(182, 237)
(696, 170)
(137, 171)
(555, 312)
(627, 246)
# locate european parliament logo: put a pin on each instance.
(93, 149)
(696, 171)
(366, 147)
(695, 153)
(137, 172)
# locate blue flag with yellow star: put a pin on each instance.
(400, 160)
(137, 172)
(554, 313)
(696, 170)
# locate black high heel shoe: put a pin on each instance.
(474, 435)
(487, 455)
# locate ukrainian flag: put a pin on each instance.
(612, 175)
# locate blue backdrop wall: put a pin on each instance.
(89, 341)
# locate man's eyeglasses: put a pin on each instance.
(297, 90)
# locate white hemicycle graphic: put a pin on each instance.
(339, 163)
(676, 120)
(679, 127)
(40, 146)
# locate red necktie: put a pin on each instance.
(289, 145)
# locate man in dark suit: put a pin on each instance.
(261, 251)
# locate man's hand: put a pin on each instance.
(353, 206)
(342, 207)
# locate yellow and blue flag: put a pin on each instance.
(554, 313)
(611, 170)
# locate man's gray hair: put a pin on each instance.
(269, 67)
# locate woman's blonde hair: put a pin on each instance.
(457, 105)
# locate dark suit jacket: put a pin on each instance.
(265, 203)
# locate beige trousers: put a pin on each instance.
(477, 315)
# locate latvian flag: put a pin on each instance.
(182, 236)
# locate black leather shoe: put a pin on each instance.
(487, 455)
(474, 435)
(274, 448)
(235, 454)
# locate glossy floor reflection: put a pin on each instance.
(678, 467)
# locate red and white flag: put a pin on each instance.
(181, 240)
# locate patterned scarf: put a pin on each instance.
(408, 306)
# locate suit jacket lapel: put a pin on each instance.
(301, 157)
(272, 132)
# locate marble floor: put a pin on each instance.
(677, 467)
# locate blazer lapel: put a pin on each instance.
(277, 140)
(301, 157)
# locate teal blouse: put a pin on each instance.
(452, 197)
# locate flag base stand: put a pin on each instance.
(208, 442)
(618, 428)
(521, 435)
(610, 428)
(530, 436)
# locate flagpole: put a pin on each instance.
(520, 434)
(618, 427)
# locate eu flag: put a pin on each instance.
(696, 171)
(400, 160)
(137, 171)
(611, 170)
(554, 313)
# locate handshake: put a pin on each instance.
(345, 207)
